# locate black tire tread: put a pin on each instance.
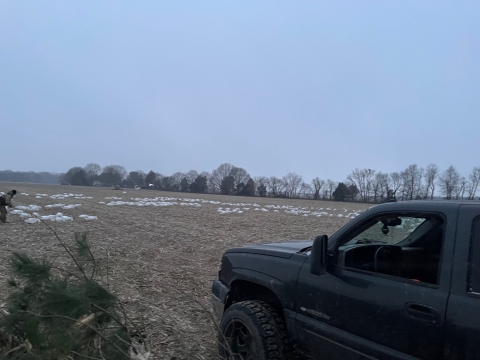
(275, 338)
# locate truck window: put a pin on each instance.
(474, 261)
(395, 234)
(407, 247)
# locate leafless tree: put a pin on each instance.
(369, 179)
(305, 190)
(218, 175)
(212, 185)
(119, 170)
(191, 176)
(474, 178)
(395, 182)
(240, 176)
(387, 184)
(260, 180)
(92, 170)
(325, 193)
(376, 188)
(380, 187)
(331, 185)
(412, 181)
(430, 175)
(318, 185)
(449, 181)
(459, 191)
(357, 178)
(292, 182)
(175, 180)
(275, 186)
(362, 179)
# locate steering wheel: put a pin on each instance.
(385, 250)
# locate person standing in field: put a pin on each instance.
(6, 200)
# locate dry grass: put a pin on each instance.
(161, 260)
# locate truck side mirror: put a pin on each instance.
(318, 255)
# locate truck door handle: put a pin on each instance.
(423, 313)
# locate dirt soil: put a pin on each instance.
(162, 259)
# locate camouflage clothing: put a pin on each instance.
(3, 214)
(3, 208)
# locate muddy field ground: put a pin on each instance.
(162, 256)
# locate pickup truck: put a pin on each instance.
(399, 281)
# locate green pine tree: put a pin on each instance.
(56, 314)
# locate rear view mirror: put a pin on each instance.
(318, 256)
(393, 221)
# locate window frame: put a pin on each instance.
(342, 240)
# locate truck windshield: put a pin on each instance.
(391, 235)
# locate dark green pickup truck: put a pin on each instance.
(400, 281)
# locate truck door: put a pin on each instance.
(385, 293)
(463, 315)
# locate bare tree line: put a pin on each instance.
(415, 183)
(29, 176)
(363, 185)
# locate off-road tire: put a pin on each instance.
(269, 336)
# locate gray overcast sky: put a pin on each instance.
(314, 87)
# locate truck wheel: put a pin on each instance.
(253, 330)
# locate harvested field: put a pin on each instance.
(162, 249)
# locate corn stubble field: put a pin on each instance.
(160, 251)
